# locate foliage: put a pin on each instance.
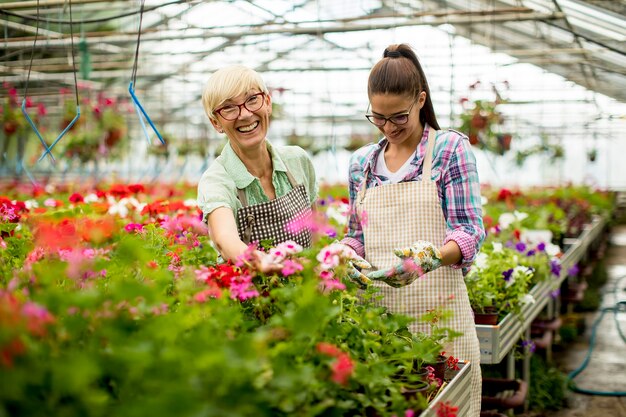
(497, 279)
(548, 388)
(114, 305)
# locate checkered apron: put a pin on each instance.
(397, 216)
(270, 220)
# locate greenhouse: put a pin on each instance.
(313, 208)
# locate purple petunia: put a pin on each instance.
(507, 274)
(520, 247)
(555, 268)
(531, 252)
(573, 271)
(541, 247)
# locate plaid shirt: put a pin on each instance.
(454, 171)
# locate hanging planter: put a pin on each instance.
(592, 155)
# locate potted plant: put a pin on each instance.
(497, 280)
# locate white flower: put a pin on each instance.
(118, 207)
(481, 260)
(31, 204)
(338, 214)
(91, 198)
(190, 202)
(505, 220)
(520, 215)
(522, 270)
(483, 200)
(527, 299)
(552, 250)
(497, 247)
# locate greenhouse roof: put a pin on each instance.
(560, 65)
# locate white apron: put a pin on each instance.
(397, 216)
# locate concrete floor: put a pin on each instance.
(606, 370)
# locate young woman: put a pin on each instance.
(416, 192)
(253, 190)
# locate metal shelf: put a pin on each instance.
(458, 393)
(496, 341)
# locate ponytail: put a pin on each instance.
(400, 72)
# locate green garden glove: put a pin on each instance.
(355, 265)
(417, 260)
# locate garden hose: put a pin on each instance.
(620, 306)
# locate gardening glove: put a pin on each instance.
(417, 260)
(355, 265)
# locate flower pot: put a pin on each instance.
(112, 137)
(439, 366)
(412, 390)
(503, 394)
(488, 316)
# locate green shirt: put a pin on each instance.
(219, 183)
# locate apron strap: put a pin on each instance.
(241, 195)
(428, 158)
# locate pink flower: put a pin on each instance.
(212, 292)
(342, 369)
(364, 218)
(242, 288)
(290, 267)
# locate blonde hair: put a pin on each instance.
(229, 82)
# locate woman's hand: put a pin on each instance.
(416, 260)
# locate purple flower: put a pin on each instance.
(507, 274)
(555, 268)
(530, 345)
(555, 293)
(573, 271)
(541, 247)
(520, 247)
(531, 252)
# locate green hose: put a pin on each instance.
(620, 306)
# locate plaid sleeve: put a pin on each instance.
(462, 201)
(354, 236)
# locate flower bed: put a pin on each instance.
(111, 303)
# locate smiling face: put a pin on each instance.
(388, 105)
(249, 129)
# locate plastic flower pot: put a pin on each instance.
(502, 394)
(439, 366)
(488, 316)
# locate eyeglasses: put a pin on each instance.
(396, 119)
(232, 111)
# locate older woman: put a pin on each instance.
(254, 190)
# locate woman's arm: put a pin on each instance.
(223, 232)
(462, 202)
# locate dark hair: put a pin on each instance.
(400, 72)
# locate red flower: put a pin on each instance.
(445, 409)
(342, 367)
(136, 188)
(76, 198)
(328, 349)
